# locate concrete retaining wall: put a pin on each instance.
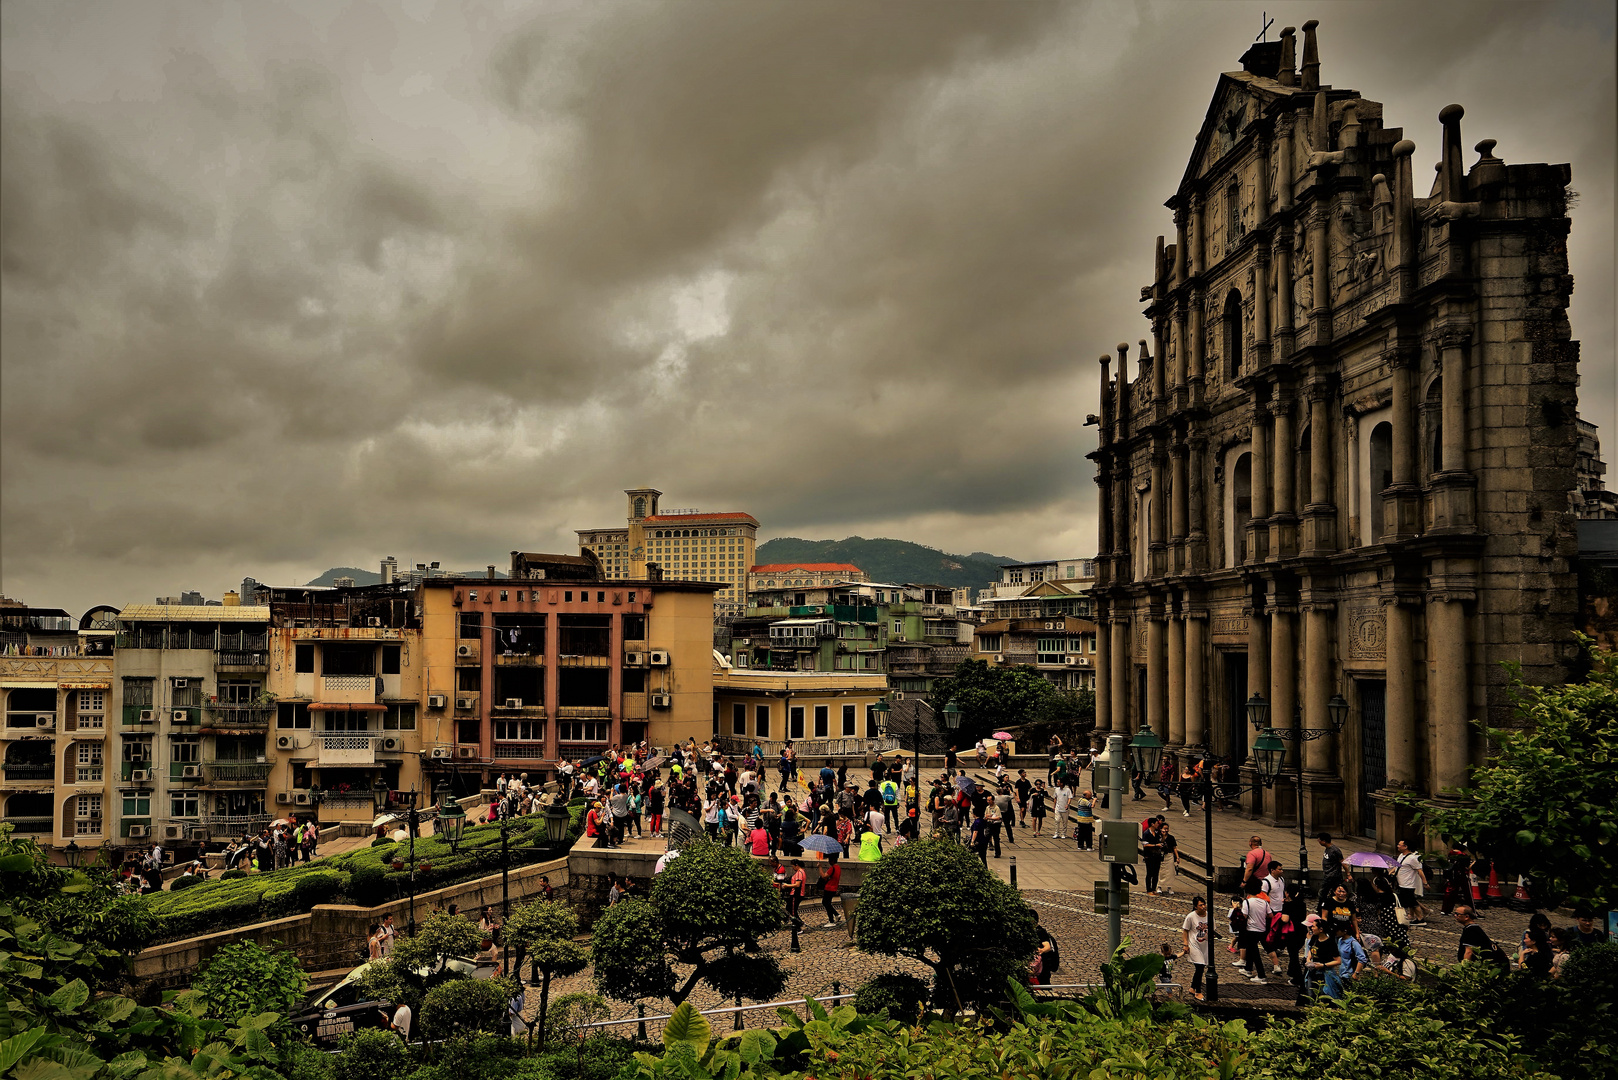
(333, 935)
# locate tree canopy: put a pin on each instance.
(932, 900)
(708, 908)
(542, 932)
(994, 698)
(1546, 801)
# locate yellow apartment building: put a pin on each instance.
(687, 544)
(822, 714)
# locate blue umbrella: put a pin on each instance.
(964, 783)
(822, 842)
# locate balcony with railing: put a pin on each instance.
(348, 748)
(239, 715)
(223, 826)
(32, 825)
(348, 689)
(30, 771)
(584, 712)
(236, 773)
(241, 660)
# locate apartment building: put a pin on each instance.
(686, 544)
(560, 661)
(56, 687)
(1045, 627)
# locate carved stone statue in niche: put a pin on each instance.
(1303, 290)
(1341, 241)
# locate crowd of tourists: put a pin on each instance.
(275, 846)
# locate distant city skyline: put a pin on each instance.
(297, 286)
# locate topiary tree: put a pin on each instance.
(370, 1054)
(466, 1006)
(933, 901)
(708, 908)
(543, 933)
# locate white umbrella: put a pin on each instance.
(384, 819)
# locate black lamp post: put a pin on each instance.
(72, 854)
(413, 822)
(451, 820)
(1268, 754)
(1258, 712)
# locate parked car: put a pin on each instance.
(330, 1014)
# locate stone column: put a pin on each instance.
(1180, 225)
(1103, 671)
(1320, 447)
(1176, 677)
(1158, 534)
(1182, 372)
(1286, 461)
(1258, 657)
(1401, 507)
(1320, 254)
(1261, 305)
(1157, 688)
(1351, 448)
(1197, 447)
(1196, 724)
(1120, 671)
(1283, 692)
(1178, 495)
(1284, 158)
(1195, 333)
(1319, 755)
(1258, 533)
(1199, 257)
(1261, 182)
(1452, 351)
(1448, 692)
(1401, 701)
(1284, 332)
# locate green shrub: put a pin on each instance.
(185, 882)
(463, 1007)
(310, 1064)
(319, 887)
(368, 886)
(383, 841)
(481, 1057)
(371, 1054)
(231, 875)
(896, 995)
(243, 980)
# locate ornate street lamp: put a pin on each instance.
(451, 822)
(952, 716)
(557, 819)
(72, 853)
(1337, 712)
(1258, 711)
(1269, 754)
(1146, 748)
(880, 713)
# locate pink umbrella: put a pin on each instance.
(1002, 735)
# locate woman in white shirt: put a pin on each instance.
(1064, 797)
(1194, 935)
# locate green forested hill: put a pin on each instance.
(894, 561)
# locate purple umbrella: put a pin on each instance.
(1371, 858)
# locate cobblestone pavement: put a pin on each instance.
(828, 960)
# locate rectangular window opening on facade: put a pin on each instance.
(583, 688)
(519, 635)
(761, 721)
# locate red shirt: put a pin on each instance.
(590, 820)
(831, 878)
(799, 880)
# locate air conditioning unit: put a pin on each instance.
(283, 798)
(466, 753)
(1051, 626)
(1072, 661)
(662, 701)
(45, 720)
(190, 772)
(148, 715)
(440, 752)
(999, 658)
(140, 776)
(437, 701)
(1084, 661)
(466, 703)
(283, 742)
(392, 743)
(137, 832)
(463, 650)
(898, 695)
(658, 658)
(374, 621)
(634, 659)
(199, 834)
(513, 702)
(180, 716)
(174, 832)
(301, 798)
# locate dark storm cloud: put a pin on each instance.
(288, 287)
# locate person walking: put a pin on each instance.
(1064, 799)
(1194, 934)
(1331, 863)
(831, 879)
(1409, 879)
(1151, 853)
(980, 838)
(1024, 789)
(1255, 910)
(1007, 811)
(889, 790)
(1256, 862)
(1036, 806)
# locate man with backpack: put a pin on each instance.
(890, 802)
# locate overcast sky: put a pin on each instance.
(293, 286)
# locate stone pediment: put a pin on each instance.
(1238, 100)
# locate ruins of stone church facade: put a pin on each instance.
(1341, 465)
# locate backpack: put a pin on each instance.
(1053, 959)
(890, 793)
(1275, 935)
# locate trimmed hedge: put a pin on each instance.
(185, 881)
(365, 876)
